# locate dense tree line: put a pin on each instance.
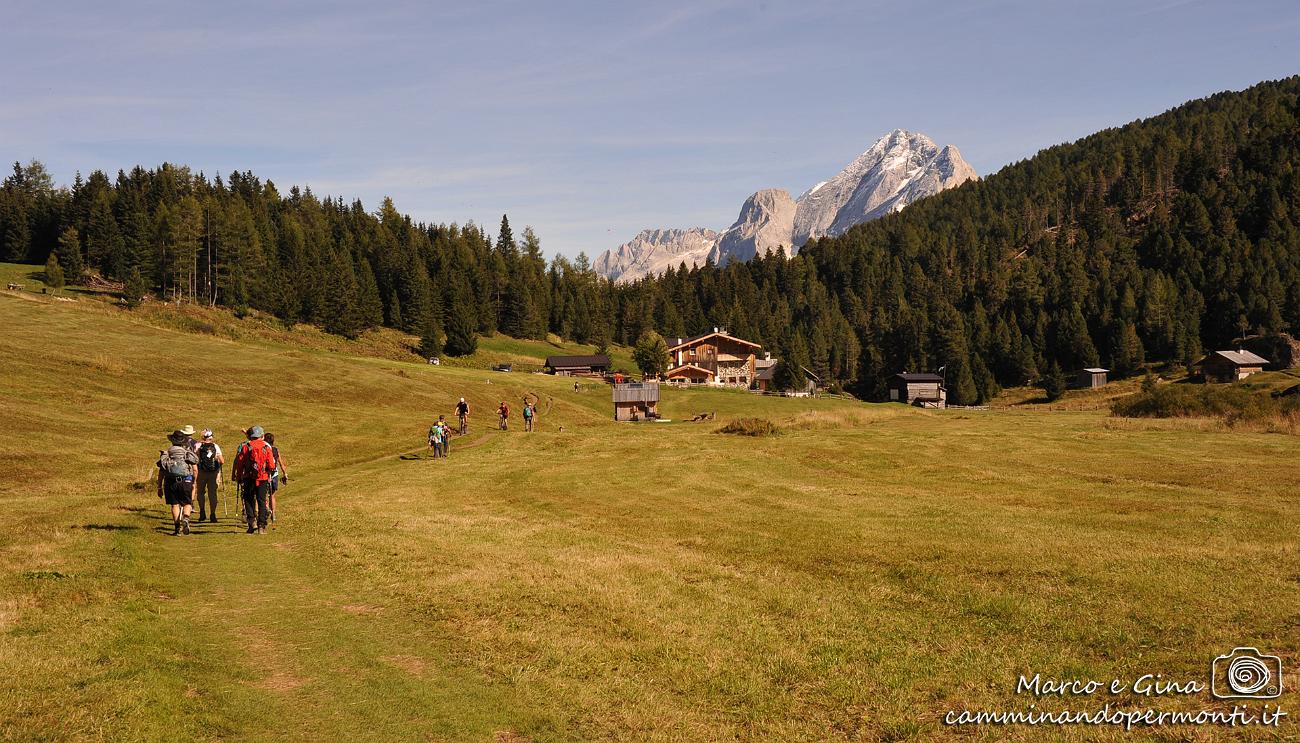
(1148, 242)
(238, 242)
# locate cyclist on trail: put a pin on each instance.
(503, 413)
(462, 412)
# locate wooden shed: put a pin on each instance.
(921, 389)
(636, 401)
(1090, 378)
(596, 365)
(1230, 366)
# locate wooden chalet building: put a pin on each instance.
(923, 390)
(1230, 366)
(715, 358)
(636, 401)
(1090, 378)
(578, 366)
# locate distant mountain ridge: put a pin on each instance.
(900, 168)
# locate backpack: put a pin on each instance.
(208, 458)
(253, 461)
(174, 466)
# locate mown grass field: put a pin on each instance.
(852, 578)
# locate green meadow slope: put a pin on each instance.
(852, 578)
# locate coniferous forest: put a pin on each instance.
(1147, 242)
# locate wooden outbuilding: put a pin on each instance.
(636, 401)
(1090, 378)
(596, 365)
(921, 389)
(1230, 366)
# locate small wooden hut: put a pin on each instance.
(1230, 366)
(1090, 378)
(920, 389)
(636, 401)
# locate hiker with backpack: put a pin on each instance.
(279, 478)
(503, 413)
(254, 464)
(462, 412)
(178, 468)
(210, 461)
(529, 414)
(436, 439)
(446, 436)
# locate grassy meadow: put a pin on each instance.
(852, 577)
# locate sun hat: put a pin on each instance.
(188, 430)
(177, 437)
(256, 432)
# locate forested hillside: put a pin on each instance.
(1146, 242)
(1151, 241)
(238, 242)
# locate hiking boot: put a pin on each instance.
(251, 529)
(185, 525)
(261, 530)
(176, 530)
(212, 520)
(202, 517)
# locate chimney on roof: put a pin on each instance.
(767, 355)
(715, 328)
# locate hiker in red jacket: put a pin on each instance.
(254, 465)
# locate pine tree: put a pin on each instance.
(1053, 382)
(135, 288)
(70, 255)
(461, 324)
(431, 338)
(53, 272)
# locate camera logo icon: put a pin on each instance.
(1246, 673)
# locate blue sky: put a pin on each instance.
(592, 121)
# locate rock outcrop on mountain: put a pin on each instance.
(652, 252)
(900, 168)
(764, 224)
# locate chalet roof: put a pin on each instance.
(919, 377)
(676, 343)
(570, 362)
(766, 373)
(1236, 358)
(1096, 370)
(636, 392)
(685, 367)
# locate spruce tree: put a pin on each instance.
(134, 289)
(53, 272)
(651, 355)
(70, 255)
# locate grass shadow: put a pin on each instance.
(108, 527)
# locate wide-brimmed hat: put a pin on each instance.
(177, 437)
(187, 429)
(256, 432)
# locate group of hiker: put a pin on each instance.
(190, 469)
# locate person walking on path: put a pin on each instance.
(253, 467)
(435, 439)
(503, 413)
(178, 468)
(279, 478)
(462, 412)
(529, 414)
(210, 461)
(446, 436)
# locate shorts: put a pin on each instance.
(275, 483)
(179, 493)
